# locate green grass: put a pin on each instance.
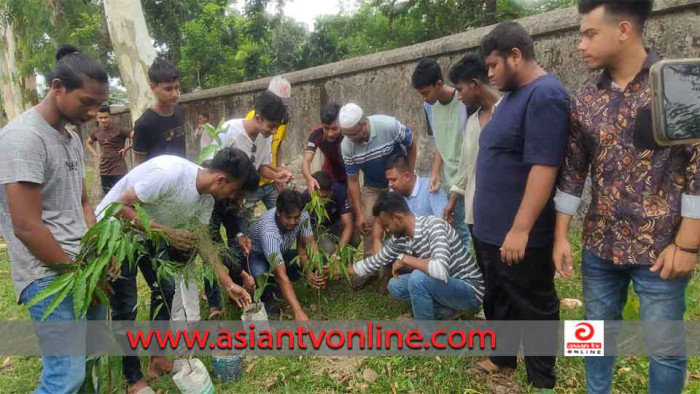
(344, 374)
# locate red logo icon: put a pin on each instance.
(584, 331)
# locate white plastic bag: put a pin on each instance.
(191, 377)
(186, 300)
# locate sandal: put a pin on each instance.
(215, 315)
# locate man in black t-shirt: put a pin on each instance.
(160, 130)
(339, 222)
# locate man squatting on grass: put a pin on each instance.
(444, 280)
(175, 193)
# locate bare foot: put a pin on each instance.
(159, 365)
(487, 367)
(134, 388)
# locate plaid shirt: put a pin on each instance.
(638, 196)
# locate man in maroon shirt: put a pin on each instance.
(112, 140)
(327, 137)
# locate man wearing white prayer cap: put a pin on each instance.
(368, 144)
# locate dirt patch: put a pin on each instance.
(339, 368)
(500, 384)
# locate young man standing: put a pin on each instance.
(446, 116)
(44, 208)
(160, 130)
(267, 192)
(177, 195)
(470, 77)
(521, 150)
(339, 209)
(643, 222)
(112, 142)
(444, 279)
(328, 138)
(368, 144)
(273, 236)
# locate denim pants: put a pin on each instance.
(125, 299)
(267, 194)
(605, 288)
(60, 374)
(431, 298)
(460, 224)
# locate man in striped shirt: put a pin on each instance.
(445, 277)
(273, 236)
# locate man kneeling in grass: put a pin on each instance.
(273, 236)
(445, 277)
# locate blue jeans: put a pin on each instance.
(605, 295)
(267, 194)
(60, 374)
(460, 223)
(430, 297)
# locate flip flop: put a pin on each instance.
(216, 315)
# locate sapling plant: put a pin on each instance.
(216, 144)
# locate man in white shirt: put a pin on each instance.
(177, 195)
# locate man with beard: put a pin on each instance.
(521, 150)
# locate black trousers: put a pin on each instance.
(108, 182)
(522, 291)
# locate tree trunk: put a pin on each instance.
(133, 50)
(13, 98)
(491, 8)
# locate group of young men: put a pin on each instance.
(513, 151)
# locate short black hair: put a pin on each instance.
(289, 201)
(237, 165)
(329, 113)
(270, 107)
(427, 73)
(204, 115)
(506, 36)
(469, 67)
(639, 10)
(162, 71)
(398, 162)
(324, 181)
(72, 66)
(105, 109)
(390, 203)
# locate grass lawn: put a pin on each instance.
(345, 374)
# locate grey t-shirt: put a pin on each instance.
(33, 151)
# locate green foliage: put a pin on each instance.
(215, 145)
(262, 281)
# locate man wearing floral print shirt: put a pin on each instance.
(645, 206)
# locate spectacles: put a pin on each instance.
(252, 152)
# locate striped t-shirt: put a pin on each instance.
(436, 240)
(387, 137)
(269, 239)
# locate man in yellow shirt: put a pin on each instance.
(268, 188)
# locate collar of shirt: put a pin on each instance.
(416, 185)
(605, 82)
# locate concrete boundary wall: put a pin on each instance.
(380, 82)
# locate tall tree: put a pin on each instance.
(133, 50)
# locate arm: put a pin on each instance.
(354, 191)
(275, 173)
(90, 146)
(348, 227)
(413, 154)
(141, 144)
(25, 207)
(377, 235)
(88, 211)
(539, 186)
(568, 196)
(458, 190)
(311, 183)
(679, 258)
(387, 255)
(435, 173)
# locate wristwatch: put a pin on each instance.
(238, 235)
(400, 257)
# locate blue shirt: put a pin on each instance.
(529, 126)
(387, 137)
(424, 203)
(269, 238)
